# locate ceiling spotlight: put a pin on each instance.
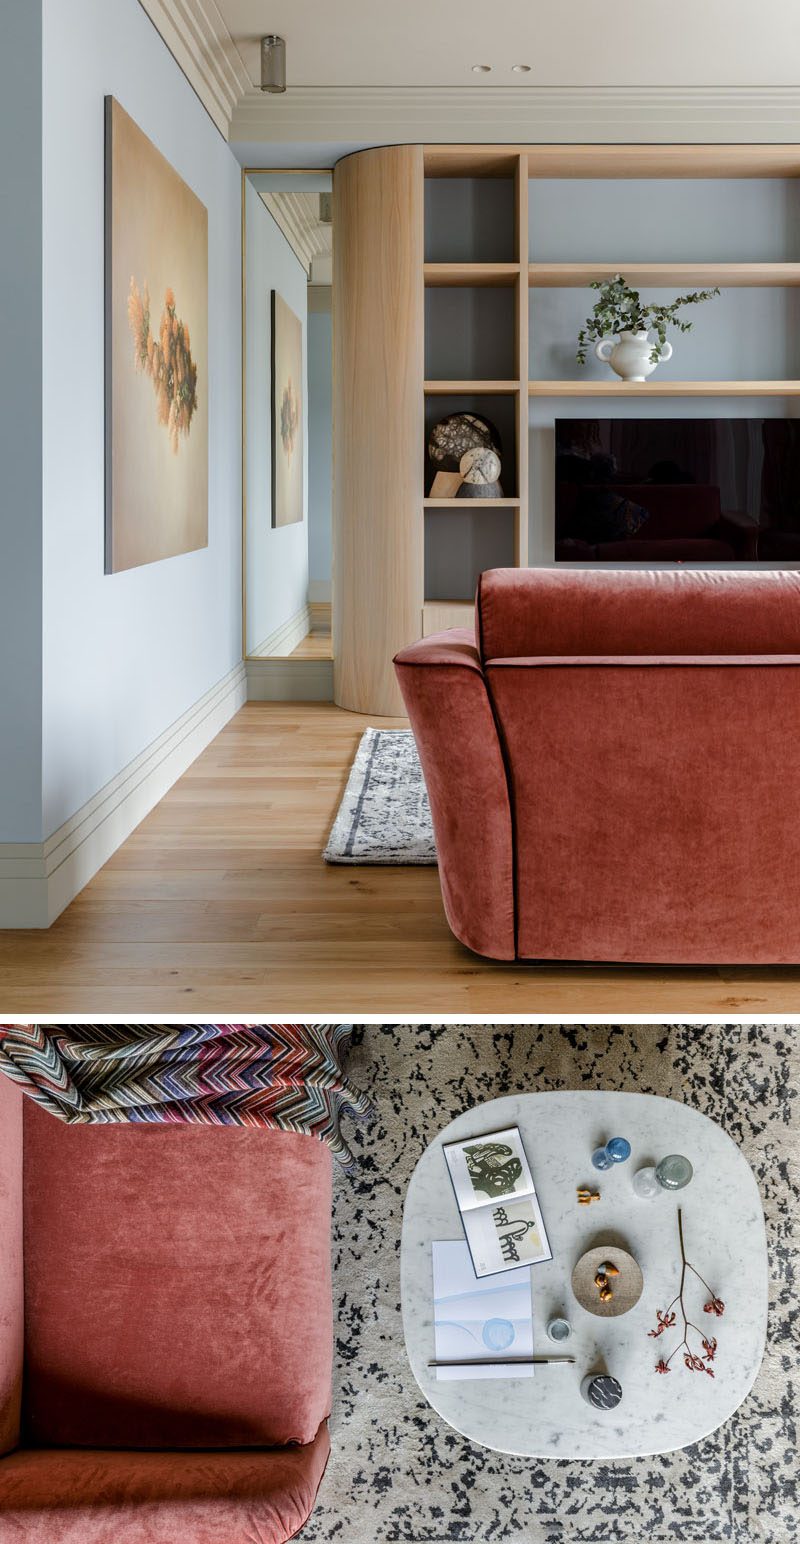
(481, 69)
(273, 63)
(521, 69)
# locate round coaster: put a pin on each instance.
(626, 1287)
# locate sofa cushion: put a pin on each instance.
(11, 1292)
(177, 1285)
(523, 612)
(51, 1496)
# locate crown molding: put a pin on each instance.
(519, 114)
(203, 48)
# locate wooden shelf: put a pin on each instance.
(627, 160)
(470, 160)
(438, 615)
(471, 275)
(665, 275)
(664, 388)
(471, 503)
(470, 388)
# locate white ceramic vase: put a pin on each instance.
(629, 355)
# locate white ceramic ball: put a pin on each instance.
(480, 465)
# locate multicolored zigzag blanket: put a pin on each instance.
(287, 1076)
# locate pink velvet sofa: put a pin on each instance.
(613, 765)
(165, 1331)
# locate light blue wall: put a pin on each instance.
(20, 420)
(277, 560)
(125, 654)
(320, 450)
(608, 220)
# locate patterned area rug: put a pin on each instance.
(397, 1472)
(384, 816)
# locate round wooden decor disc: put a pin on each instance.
(626, 1287)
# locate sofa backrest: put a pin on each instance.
(11, 1280)
(545, 612)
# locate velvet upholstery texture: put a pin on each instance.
(11, 1279)
(446, 699)
(177, 1285)
(671, 844)
(642, 730)
(526, 612)
(83, 1496)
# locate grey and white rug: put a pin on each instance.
(397, 1472)
(384, 816)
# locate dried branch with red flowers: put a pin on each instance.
(696, 1360)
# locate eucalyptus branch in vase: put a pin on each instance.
(620, 309)
(695, 1360)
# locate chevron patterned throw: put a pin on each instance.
(288, 1076)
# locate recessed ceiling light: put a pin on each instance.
(481, 69)
(521, 69)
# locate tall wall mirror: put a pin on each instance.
(287, 379)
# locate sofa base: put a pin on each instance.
(86, 1496)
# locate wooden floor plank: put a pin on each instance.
(220, 904)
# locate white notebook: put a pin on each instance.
(475, 1320)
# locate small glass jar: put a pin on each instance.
(645, 1184)
(559, 1330)
(673, 1172)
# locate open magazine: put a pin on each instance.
(497, 1200)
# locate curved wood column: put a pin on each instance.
(378, 417)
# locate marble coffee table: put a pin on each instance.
(545, 1416)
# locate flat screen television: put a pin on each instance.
(677, 490)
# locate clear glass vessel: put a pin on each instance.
(673, 1172)
(601, 1158)
(645, 1183)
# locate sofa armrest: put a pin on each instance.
(89, 1496)
(445, 694)
(11, 1279)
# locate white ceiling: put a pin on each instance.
(297, 214)
(565, 42)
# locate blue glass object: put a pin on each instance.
(673, 1172)
(601, 1158)
(619, 1148)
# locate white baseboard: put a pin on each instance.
(38, 879)
(289, 680)
(286, 637)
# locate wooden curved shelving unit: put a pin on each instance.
(378, 422)
(381, 386)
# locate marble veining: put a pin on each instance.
(725, 1237)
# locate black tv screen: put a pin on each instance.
(677, 490)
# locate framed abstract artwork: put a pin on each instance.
(156, 296)
(287, 413)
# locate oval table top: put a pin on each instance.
(723, 1220)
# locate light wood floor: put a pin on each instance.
(220, 904)
(315, 645)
